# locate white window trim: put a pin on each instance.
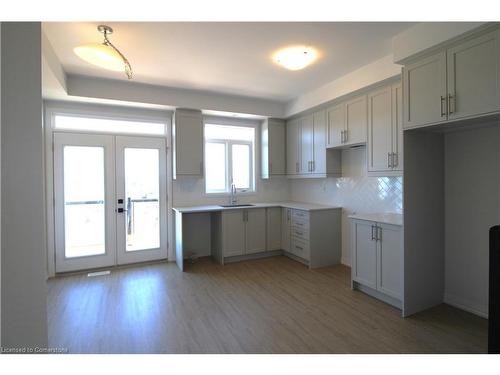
(253, 184)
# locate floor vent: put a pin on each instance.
(99, 273)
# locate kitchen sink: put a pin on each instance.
(236, 205)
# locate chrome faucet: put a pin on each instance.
(232, 199)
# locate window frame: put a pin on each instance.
(229, 161)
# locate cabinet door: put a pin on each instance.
(276, 147)
(379, 146)
(319, 143)
(424, 96)
(356, 121)
(389, 264)
(188, 143)
(364, 253)
(273, 228)
(233, 233)
(306, 144)
(292, 147)
(255, 236)
(335, 125)
(474, 77)
(286, 217)
(397, 127)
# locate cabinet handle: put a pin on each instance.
(299, 247)
(389, 160)
(288, 215)
(341, 136)
(450, 98)
(443, 110)
(346, 135)
(395, 160)
(379, 234)
(309, 166)
(313, 166)
(373, 235)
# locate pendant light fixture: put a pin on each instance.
(104, 54)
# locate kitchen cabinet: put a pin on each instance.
(292, 147)
(355, 121)
(233, 233)
(286, 228)
(273, 226)
(255, 230)
(312, 237)
(273, 148)
(385, 143)
(347, 123)
(306, 144)
(187, 143)
(243, 231)
(460, 81)
(377, 259)
(306, 148)
(473, 76)
(425, 91)
(336, 125)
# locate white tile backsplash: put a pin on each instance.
(355, 192)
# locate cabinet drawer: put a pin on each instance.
(299, 214)
(300, 219)
(299, 248)
(300, 232)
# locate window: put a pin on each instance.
(65, 122)
(229, 158)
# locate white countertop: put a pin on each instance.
(294, 205)
(385, 218)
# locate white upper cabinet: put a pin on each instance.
(385, 133)
(462, 81)
(425, 91)
(307, 156)
(379, 130)
(336, 125)
(187, 135)
(347, 123)
(356, 121)
(306, 144)
(474, 77)
(292, 147)
(273, 148)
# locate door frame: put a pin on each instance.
(53, 108)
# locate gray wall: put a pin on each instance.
(472, 206)
(24, 294)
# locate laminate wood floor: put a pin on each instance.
(273, 305)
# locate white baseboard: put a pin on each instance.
(459, 303)
(345, 261)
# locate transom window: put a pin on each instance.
(229, 158)
(105, 125)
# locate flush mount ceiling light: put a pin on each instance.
(104, 54)
(295, 58)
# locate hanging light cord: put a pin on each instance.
(128, 68)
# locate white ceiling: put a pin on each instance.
(231, 58)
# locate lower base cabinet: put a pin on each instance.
(377, 259)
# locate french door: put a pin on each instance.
(110, 200)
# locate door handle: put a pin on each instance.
(443, 110)
(450, 98)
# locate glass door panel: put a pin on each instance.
(84, 194)
(84, 210)
(141, 194)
